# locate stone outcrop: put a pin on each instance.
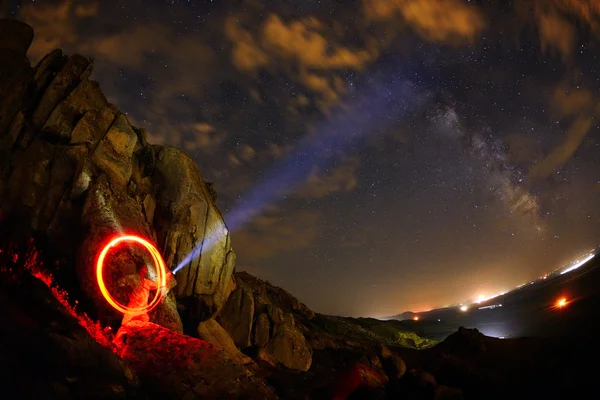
(176, 366)
(236, 317)
(46, 352)
(212, 332)
(260, 315)
(74, 172)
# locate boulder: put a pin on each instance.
(264, 356)
(193, 231)
(394, 366)
(212, 332)
(266, 294)
(289, 347)
(176, 366)
(237, 315)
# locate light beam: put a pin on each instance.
(332, 139)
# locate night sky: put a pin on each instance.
(370, 157)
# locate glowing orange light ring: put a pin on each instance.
(159, 264)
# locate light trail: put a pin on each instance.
(159, 264)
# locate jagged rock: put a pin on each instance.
(87, 96)
(93, 125)
(289, 347)
(66, 80)
(264, 356)
(465, 343)
(262, 330)
(265, 294)
(176, 366)
(114, 153)
(212, 332)
(193, 232)
(74, 173)
(45, 351)
(237, 315)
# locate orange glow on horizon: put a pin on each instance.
(416, 318)
(159, 264)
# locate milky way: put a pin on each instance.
(371, 157)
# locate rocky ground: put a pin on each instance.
(74, 173)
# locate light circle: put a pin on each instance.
(159, 264)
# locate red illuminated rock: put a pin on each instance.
(177, 366)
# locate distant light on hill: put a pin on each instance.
(578, 264)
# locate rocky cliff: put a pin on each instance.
(74, 172)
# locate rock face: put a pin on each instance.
(213, 333)
(74, 173)
(264, 316)
(175, 366)
(236, 317)
(45, 352)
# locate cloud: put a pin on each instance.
(298, 48)
(339, 179)
(274, 232)
(179, 64)
(434, 20)
(202, 137)
(555, 33)
(246, 54)
(568, 102)
(587, 11)
(563, 153)
(556, 21)
(55, 24)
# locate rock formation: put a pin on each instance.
(74, 172)
(261, 315)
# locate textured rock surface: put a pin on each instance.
(46, 353)
(289, 347)
(213, 333)
(74, 172)
(262, 315)
(176, 366)
(236, 317)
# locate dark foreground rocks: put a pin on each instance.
(47, 353)
(175, 366)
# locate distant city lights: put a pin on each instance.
(416, 318)
(464, 308)
(490, 307)
(578, 264)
